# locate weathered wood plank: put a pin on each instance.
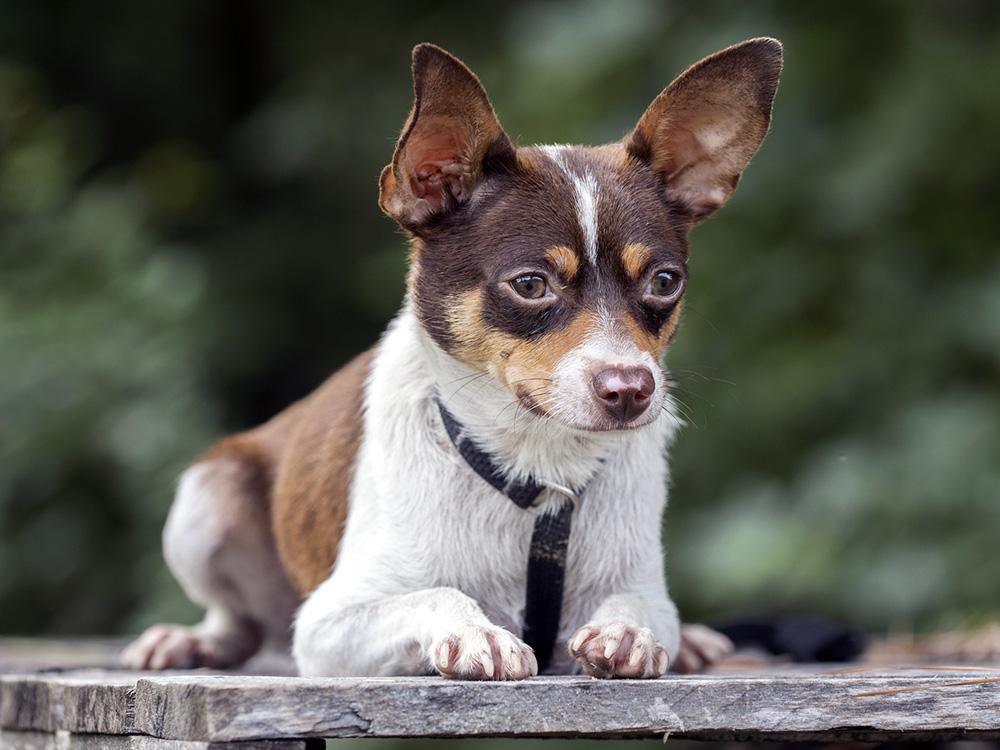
(25, 655)
(24, 703)
(16, 740)
(22, 655)
(952, 705)
(94, 702)
(741, 700)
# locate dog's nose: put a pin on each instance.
(623, 391)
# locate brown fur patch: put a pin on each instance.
(654, 343)
(531, 364)
(635, 256)
(296, 470)
(258, 453)
(476, 343)
(564, 260)
(313, 482)
(525, 366)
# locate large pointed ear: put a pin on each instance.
(703, 129)
(450, 135)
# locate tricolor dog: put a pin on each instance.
(480, 494)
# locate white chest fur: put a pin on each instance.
(420, 518)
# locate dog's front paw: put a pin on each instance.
(617, 649)
(484, 652)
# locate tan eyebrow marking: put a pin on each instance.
(654, 343)
(635, 256)
(566, 262)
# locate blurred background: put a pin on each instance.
(189, 241)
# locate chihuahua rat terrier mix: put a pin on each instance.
(481, 493)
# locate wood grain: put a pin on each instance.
(15, 740)
(793, 707)
(197, 710)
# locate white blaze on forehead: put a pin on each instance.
(586, 211)
(586, 199)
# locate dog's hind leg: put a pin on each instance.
(700, 648)
(219, 545)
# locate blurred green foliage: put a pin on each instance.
(189, 240)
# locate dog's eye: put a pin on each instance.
(664, 284)
(530, 286)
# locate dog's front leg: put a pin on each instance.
(438, 629)
(627, 637)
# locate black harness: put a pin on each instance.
(549, 541)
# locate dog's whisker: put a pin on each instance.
(687, 373)
(677, 388)
(475, 374)
(689, 308)
(479, 376)
(684, 411)
(521, 409)
(520, 405)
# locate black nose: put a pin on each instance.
(623, 391)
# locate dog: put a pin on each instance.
(480, 495)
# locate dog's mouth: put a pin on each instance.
(530, 402)
(536, 403)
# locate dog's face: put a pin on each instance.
(561, 270)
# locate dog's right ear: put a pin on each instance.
(452, 133)
(700, 133)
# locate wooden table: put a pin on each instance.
(63, 695)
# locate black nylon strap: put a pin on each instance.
(546, 573)
(549, 543)
(523, 494)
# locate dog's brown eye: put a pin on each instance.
(664, 284)
(529, 286)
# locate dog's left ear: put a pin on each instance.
(703, 129)
(451, 136)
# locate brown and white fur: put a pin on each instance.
(545, 286)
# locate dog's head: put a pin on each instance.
(560, 270)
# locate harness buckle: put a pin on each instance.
(563, 490)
